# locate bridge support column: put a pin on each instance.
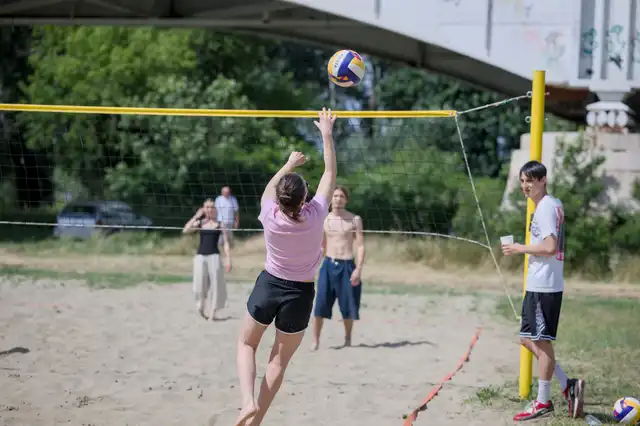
(612, 64)
(610, 114)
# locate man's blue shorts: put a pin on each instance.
(334, 281)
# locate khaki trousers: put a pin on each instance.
(208, 280)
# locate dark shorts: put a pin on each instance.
(540, 315)
(334, 282)
(289, 303)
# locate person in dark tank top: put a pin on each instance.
(208, 274)
(209, 241)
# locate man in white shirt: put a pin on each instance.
(544, 289)
(228, 211)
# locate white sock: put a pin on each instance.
(561, 376)
(544, 391)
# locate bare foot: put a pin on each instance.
(314, 346)
(246, 414)
(347, 342)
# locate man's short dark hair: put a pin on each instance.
(533, 170)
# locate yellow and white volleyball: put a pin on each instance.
(627, 411)
(346, 68)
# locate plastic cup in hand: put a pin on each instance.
(507, 239)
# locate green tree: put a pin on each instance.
(579, 185)
(410, 89)
(18, 162)
(276, 74)
(410, 193)
(106, 66)
(182, 159)
(626, 237)
(161, 160)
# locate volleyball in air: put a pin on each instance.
(346, 68)
(627, 411)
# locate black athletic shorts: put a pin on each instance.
(289, 303)
(540, 315)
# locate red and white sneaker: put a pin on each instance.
(534, 410)
(574, 395)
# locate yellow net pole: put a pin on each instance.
(73, 109)
(535, 153)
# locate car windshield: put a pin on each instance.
(79, 208)
(117, 208)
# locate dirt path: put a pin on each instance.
(141, 356)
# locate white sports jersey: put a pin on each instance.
(545, 274)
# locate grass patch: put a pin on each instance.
(598, 340)
(121, 280)
(137, 242)
(488, 396)
(432, 252)
(95, 280)
(627, 269)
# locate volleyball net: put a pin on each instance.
(113, 169)
(101, 170)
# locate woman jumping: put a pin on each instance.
(284, 290)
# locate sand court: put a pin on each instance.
(142, 356)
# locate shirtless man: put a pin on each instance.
(339, 275)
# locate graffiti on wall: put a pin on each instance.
(588, 43)
(615, 44)
(456, 3)
(552, 45)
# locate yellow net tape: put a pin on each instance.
(73, 109)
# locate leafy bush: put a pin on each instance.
(410, 193)
(601, 238)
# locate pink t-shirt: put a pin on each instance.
(294, 249)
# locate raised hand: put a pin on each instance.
(296, 159)
(325, 122)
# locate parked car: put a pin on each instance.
(79, 219)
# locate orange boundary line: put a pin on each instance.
(410, 418)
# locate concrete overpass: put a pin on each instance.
(586, 46)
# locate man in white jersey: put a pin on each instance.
(544, 289)
(228, 211)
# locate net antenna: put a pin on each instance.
(181, 112)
